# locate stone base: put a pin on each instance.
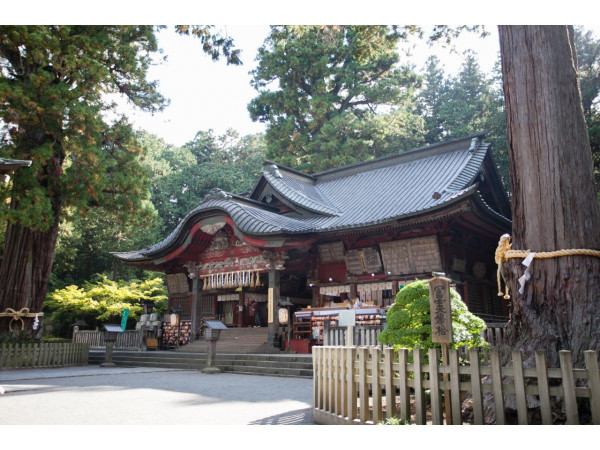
(108, 364)
(211, 370)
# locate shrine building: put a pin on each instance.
(312, 243)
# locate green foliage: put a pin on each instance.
(103, 301)
(468, 103)
(54, 86)
(588, 62)
(183, 176)
(333, 95)
(393, 421)
(409, 321)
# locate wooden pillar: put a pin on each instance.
(194, 309)
(241, 312)
(273, 301)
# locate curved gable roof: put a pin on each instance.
(375, 192)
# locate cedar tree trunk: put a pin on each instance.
(554, 205)
(25, 267)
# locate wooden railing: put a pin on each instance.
(367, 385)
(128, 339)
(367, 335)
(361, 335)
(20, 356)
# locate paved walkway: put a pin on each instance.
(93, 395)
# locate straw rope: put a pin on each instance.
(505, 251)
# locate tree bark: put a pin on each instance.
(26, 265)
(554, 205)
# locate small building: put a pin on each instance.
(317, 241)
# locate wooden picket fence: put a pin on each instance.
(127, 340)
(22, 356)
(366, 385)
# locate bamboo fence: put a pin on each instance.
(366, 385)
(127, 340)
(22, 356)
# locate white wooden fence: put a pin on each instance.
(127, 340)
(360, 385)
(362, 335)
(20, 356)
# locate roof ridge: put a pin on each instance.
(420, 152)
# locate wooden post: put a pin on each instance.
(476, 387)
(363, 354)
(403, 385)
(273, 300)
(447, 400)
(568, 384)
(519, 381)
(418, 387)
(591, 364)
(441, 326)
(375, 386)
(351, 385)
(434, 388)
(455, 387)
(497, 386)
(390, 388)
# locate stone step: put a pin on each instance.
(285, 365)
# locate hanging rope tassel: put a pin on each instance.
(505, 251)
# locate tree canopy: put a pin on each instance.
(57, 90)
(334, 95)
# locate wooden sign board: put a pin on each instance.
(331, 252)
(408, 256)
(441, 314)
(363, 260)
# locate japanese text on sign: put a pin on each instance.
(441, 314)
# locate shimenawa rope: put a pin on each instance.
(504, 252)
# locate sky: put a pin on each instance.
(208, 95)
(205, 94)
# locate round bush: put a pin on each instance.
(409, 321)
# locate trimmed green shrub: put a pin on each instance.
(409, 321)
(103, 301)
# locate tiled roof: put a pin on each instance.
(364, 194)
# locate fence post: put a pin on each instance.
(476, 387)
(455, 387)
(343, 380)
(434, 387)
(316, 352)
(418, 387)
(403, 384)
(363, 354)
(591, 364)
(497, 386)
(351, 385)
(566, 367)
(519, 381)
(336, 381)
(375, 385)
(350, 336)
(390, 388)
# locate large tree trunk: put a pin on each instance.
(25, 267)
(554, 205)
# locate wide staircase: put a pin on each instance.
(239, 350)
(236, 340)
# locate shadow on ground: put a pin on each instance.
(297, 417)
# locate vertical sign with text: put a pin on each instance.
(441, 314)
